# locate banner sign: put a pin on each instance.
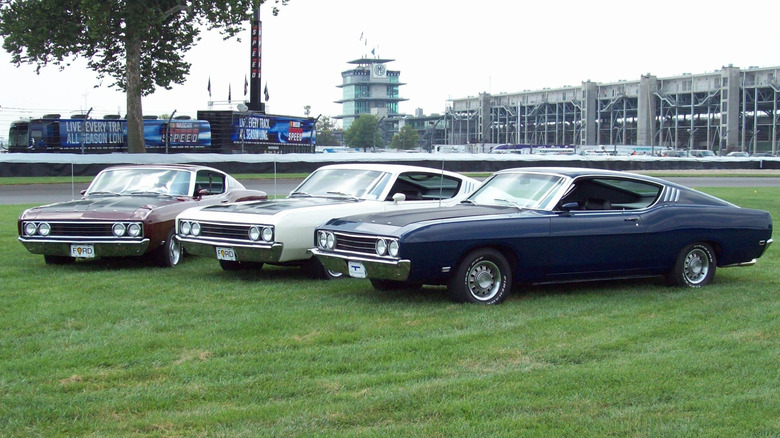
(113, 133)
(259, 129)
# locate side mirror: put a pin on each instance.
(398, 197)
(569, 206)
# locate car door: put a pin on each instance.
(605, 235)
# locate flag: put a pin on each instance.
(246, 85)
(372, 52)
(266, 91)
(229, 99)
(361, 36)
(209, 86)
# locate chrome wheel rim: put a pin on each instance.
(484, 280)
(697, 265)
(174, 251)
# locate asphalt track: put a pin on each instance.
(48, 193)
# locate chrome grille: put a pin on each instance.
(358, 244)
(224, 231)
(81, 229)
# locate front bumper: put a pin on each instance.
(377, 269)
(259, 252)
(103, 248)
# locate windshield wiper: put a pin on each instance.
(300, 194)
(468, 201)
(104, 193)
(515, 204)
(346, 195)
(149, 192)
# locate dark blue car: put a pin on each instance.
(539, 225)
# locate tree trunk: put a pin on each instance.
(135, 122)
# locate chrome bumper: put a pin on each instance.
(377, 269)
(103, 248)
(260, 252)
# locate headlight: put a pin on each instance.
(30, 228)
(381, 247)
(330, 241)
(254, 233)
(195, 229)
(322, 239)
(134, 230)
(393, 248)
(268, 234)
(118, 229)
(185, 227)
(44, 229)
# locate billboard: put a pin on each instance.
(261, 129)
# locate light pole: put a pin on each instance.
(84, 125)
(168, 131)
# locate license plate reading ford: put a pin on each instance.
(356, 269)
(82, 251)
(226, 254)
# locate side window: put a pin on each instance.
(211, 181)
(612, 194)
(419, 186)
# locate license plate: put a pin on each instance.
(226, 254)
(82, 251)
(356, 269)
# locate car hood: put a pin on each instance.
(101, 207)
(272, 207)
(403, 218)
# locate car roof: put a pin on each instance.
(188, 167)
(572, 172)
(393, 168)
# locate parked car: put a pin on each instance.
(539, 225)
(127, 211)
(738, 154)
(279, 232)
(703, 153)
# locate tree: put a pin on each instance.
(326, 135)
(407, 138)
(140, 44)
(363, 133)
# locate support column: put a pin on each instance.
(646, 111)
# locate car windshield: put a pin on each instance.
(141, 181)
(353, 183)
(522, 190)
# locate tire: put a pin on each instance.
(228, 265)
(483, 277)
(170, 253)
(314, 269)
(58, 260)
(694, 267)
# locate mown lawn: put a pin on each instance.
(122, 348)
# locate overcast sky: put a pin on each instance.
(443, 48)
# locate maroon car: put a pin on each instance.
(127, 211)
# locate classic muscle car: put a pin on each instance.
(538, 225)
(127, 211)
(279, 231)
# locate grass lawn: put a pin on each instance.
(109, 348)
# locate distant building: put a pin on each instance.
(370, 88)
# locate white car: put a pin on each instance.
(281, 231)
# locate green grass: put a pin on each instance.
(111, 348)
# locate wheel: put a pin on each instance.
(314, 269)
(58, 260)
(229, 265)
(694, 267)
(169, 254)
(483, 276)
